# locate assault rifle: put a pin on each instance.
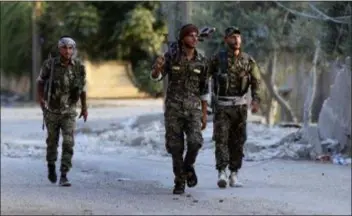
(47, 88)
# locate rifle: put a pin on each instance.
(174, 46)
(47, 88)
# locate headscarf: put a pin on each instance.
(66, 41)
(186, 30)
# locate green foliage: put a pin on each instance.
(337, 37)
(76, 19)
(104, 45)
(266, 26)
(141, 38)
(145, 84)
(16, 40)
(133, 31)
(139, 29)
(112, 30)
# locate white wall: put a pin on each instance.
(335, 116)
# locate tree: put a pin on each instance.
(16, 41)
(76, 19)
(142, 38)
(108, 31)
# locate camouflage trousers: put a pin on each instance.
(55, 123)
(230, 135)
(179, 122)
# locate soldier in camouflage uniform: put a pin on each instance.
(185, 104)
(233, 72)
(61, 83)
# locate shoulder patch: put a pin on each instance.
(248, 57)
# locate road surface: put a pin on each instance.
(130, 184)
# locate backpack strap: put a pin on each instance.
(79, 72)
(223, 61)
(49, 85)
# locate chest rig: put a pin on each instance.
(232, 78)
(64, 84)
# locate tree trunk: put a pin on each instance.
(273, 111)
(269, 79)
(307, 114)
(268, 111)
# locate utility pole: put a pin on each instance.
(180, 15)
(171, 15)
(186, 12)
(36, 50)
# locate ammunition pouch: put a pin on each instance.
(223, 83)
(74, 95)
(245, 82)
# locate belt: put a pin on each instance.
(232, 101)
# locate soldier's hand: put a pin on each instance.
(84, 113)
(159, 64)
(204, 121)
(254, 106)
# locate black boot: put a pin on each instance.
(64, 181)
(179, 187)
(191, 176)
(52, 173)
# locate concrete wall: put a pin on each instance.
(110, 79)
(335, 116)
(19, 85)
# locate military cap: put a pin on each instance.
(232, 30)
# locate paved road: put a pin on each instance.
(125, 184)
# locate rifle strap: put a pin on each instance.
(223, 61)
(223, 70)
(50, 80)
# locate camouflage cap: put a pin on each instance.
(232, 30)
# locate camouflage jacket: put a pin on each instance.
(67, 84)
(187, 81)
(232, 76)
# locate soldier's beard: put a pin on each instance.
(66, 57)
(234, 46)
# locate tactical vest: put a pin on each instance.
(64, 85)
(232, 79)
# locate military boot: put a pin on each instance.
(64, 182)
(52, 173)
(233, 180)
(179, 187)
(190, 176)
(63, 179)
(222, 179)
